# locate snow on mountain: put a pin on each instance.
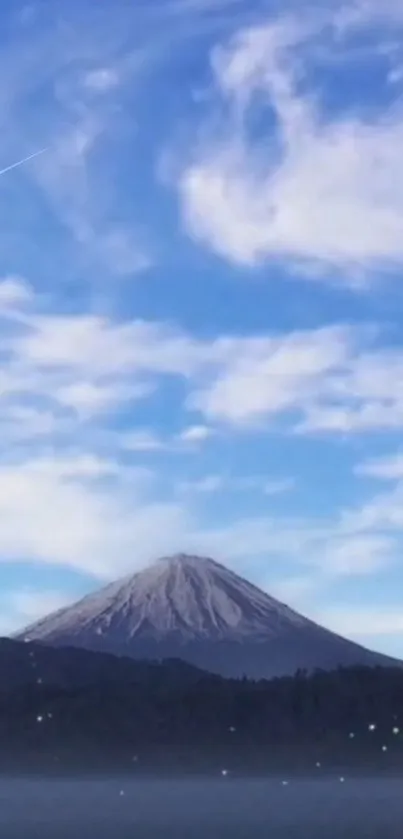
(196, 609)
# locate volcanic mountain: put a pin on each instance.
(197, 610)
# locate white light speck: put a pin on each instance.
(285, 783)
(318, 764)
(372, 726)
(396, 730)
(232, 728)
(351, 735)
(39, 718)
(122, 792)
(341, 780)
(224, 772)
(384, 748)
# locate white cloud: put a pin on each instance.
(64, 375)
(101, 79)
(71, 502)
(20, 423)
(56, 513)
(233, 483)
(208, 484)
(146, 439)
(196, 434)
(120, 248)
(107, 347)
(316, 189)
(322, 380)
(321, 550)
(89, 399)
(365, 395)
(395, 76)
(383, 468)
(14, 293)
(80, 367)
(142, 440)
(367, 13)
(383, 513)
(350, 418)
(297, 590)
(88, 364)
(100, 238)
(78, 511)
(279, 486)
(362, 622)
(269, 376)
(72, 466)
(27, 606)
(357, 554)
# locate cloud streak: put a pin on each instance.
(21, 162)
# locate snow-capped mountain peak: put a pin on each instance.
(194, 608)
(181, 594)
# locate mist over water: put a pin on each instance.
(201, 809)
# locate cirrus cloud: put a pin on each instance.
(312, 188)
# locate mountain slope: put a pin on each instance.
(196, 609)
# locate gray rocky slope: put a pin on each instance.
(196, 609)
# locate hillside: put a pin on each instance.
(165, 719)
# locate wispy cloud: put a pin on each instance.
(279, 486)
(335, 380)
(359, 622)
(101, 79)
(61, 513)
(63, 373)
(382, 513)
(15, 293)
(388, 468)
(84, 366)
(25, 606)
(267, 376)
(216, 483)
(196, 434)
(77, 67)
(142, 440)
(312, 187)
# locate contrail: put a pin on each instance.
(20, 162)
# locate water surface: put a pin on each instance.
(201, 809)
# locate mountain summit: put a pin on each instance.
(196, 609)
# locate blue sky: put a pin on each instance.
(201, 301)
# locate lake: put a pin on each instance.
(201, 809)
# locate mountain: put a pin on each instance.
(197, 610)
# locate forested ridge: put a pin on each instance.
(172, 717)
